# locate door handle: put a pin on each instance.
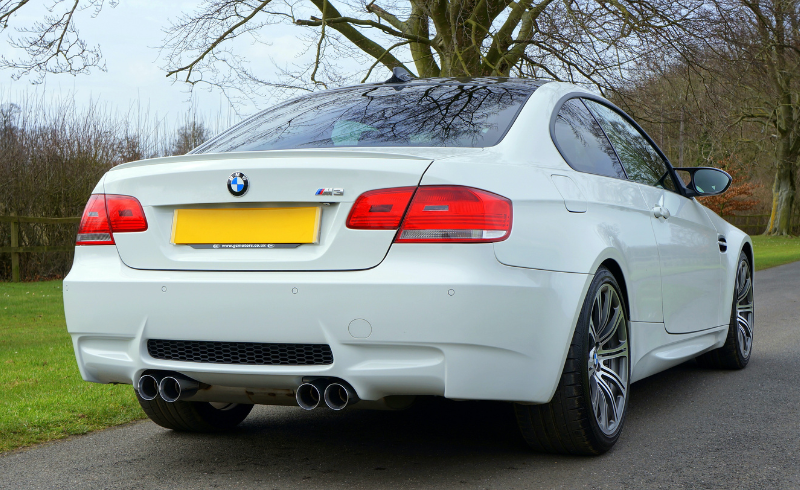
(661, 212)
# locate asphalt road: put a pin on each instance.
(687, 427)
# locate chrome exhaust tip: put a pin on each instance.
(308, 396)
(148, 387)
(173, 388)
(337, 396)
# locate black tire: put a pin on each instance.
(736, 352)
(569, 424)
(188, 416)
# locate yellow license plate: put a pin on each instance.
(246, 225)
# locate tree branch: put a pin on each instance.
(379, 58)
(382, 14)
(188, 68)
(5, 16)
(361, 41)
(362, 22)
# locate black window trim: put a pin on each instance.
(582, 95)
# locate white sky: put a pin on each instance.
(128, 36)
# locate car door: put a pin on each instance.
(691, 268)
(620, 215)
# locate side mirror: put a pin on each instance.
(704, 181)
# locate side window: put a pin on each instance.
(582, 142)
(641, 161)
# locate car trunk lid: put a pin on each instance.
(277, 180)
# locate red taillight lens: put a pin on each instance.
(125, 214)
(106, 213)
(456, 215)
(381, 209)
(94, 228)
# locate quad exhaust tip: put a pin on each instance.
(337, 396)
(148, 387)
(171, 387)
(308, 395)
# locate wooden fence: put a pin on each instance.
(15, 249)
(752, 224)
(756, 224)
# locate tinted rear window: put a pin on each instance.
(372, 116)
(582, 142)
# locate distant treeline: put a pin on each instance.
(53, 154)
(705, 118)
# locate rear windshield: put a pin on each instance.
(369, 116)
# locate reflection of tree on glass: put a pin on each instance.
(416, 114)
(582, 142)
(641, 161)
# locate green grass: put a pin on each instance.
(771, 251)
(42, 395)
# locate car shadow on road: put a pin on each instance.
(464, 442)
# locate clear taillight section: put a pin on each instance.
(451, 214)
(105, 215)
(456, 215)
(380, 209)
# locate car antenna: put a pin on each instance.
(400, 75)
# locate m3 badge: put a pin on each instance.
(330, 191)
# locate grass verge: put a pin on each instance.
(42, 395)
(772, 251)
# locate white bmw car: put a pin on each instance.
(475, 239)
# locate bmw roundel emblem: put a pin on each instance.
(238, 184)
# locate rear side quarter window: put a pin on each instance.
(582, 142)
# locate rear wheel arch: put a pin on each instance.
(614, 267)
(578, 420)
(616, 271)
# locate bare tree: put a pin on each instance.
(54, 44)
(754, 46)
(188, 137)
(590, 41)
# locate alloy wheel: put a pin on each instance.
(744, 309)
(608, 359)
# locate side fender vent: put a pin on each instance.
(723, 244)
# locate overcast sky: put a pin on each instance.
(129, 35)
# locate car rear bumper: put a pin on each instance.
(445, 320)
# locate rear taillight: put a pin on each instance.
(456, 215)
(125, 214)
(451, 214)
(381, 209)
(94, 228)
(105, 215)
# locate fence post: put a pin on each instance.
(14, 255)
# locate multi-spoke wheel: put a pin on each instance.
(744, 308)
(608, 359)
(735, 353)
(588, 409)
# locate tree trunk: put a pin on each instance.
(783, 191)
